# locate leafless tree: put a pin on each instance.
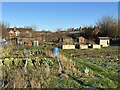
(0, 31)
(34, 27)
(3, 27)
(119, 27)
(108, 26)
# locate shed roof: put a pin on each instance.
(80, 37)
(105, 38)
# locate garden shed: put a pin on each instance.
(81, 40)
(66, 40)
(103, 41)
(35, 43)
(27, 41)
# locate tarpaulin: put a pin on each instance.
(55, 51)
(3, 43)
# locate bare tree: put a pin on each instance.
(34, 27)
(108, 26)
(0, 31)
(3, 28)
(5, 25)
(119, 27)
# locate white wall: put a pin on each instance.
(83, 46)
(68, 46)
(95, 46)
(104, 43)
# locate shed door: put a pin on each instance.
(107, 42)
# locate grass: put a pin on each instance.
(92, 59)
(36, 75)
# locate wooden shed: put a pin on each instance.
(27, 41)
(67, 40)
(81, 40)
(103, 41)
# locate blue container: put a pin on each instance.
(3, 43)
(55, 51)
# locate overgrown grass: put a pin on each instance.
(80, 57)
(36, 75)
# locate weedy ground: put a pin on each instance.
(103, 68)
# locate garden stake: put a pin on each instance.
(59, 63)
(60, 67)
(26, 65)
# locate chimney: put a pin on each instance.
(72, 29)
(94, 27)
(80, 28)
(15, 29)
(88, 28)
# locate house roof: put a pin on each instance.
(20, 29)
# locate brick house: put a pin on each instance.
(96, 30)
(16, 34)
(25, 35)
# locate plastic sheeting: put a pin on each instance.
(3, 43)
(55, 51)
